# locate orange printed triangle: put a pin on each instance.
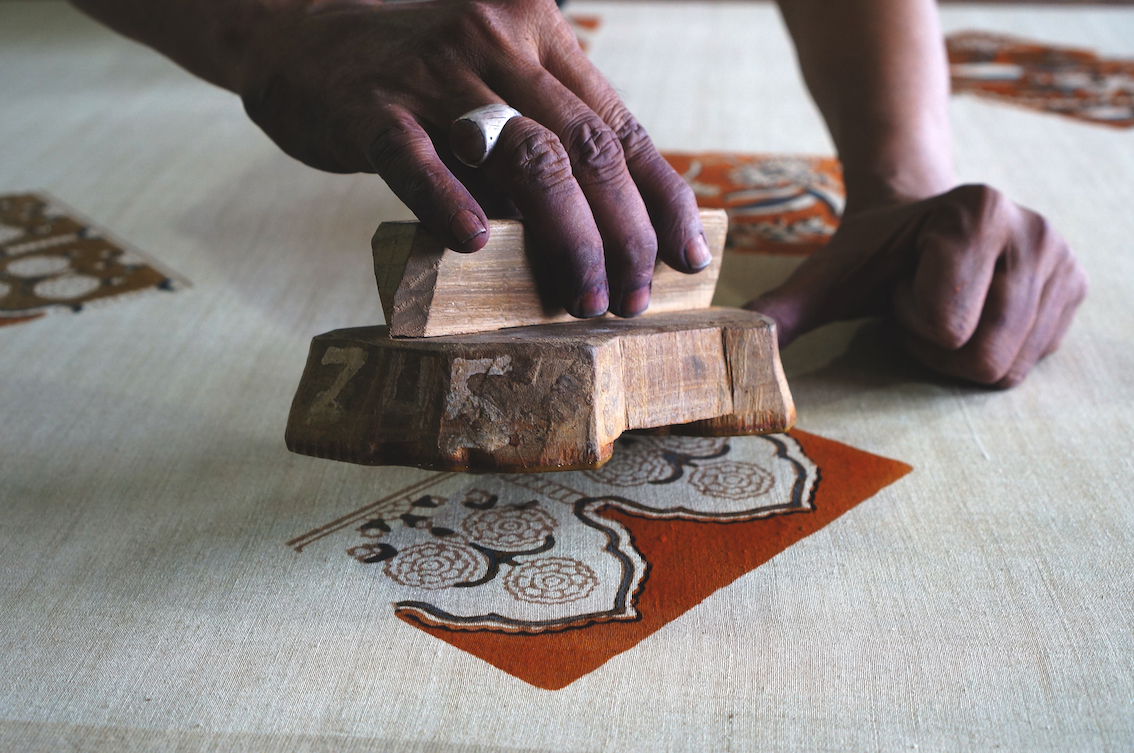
(689, 561)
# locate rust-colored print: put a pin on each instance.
(1064, 80)
(776, 204)
(51, 260)
(548, 576)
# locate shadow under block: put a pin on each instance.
(538, 398)
(428, 290)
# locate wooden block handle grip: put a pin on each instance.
(428, 290)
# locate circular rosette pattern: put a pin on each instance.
(551, 580)
(729, 480)
(509, 529)
(435, 564)
(692, 447)
(633, 464)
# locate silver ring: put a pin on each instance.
(490, 121)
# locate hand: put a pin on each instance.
(370, 87)
(979, 287)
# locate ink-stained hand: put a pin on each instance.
(371, 87)
(979, 288)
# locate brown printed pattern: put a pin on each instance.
(478, 552)
(548, 576)
(776, 204)
(50, 260)
(1073, 82)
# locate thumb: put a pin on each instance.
(850, 277)
(793, 306)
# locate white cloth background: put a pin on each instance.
(147, 598)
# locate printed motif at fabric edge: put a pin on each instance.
(685, 559)
(1067, 81)
(537, 553)
(776, 203)
(52, 260)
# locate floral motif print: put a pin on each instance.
(731, 480)
(551, 580)
(435, 565)
(632, 469)
(520, 553)
(776, 204)
(509, 529)
(1065, 80)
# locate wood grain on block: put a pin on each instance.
(547, 397)
(428, 290)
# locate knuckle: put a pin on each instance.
(973, 210)
(418, 185)
(987, 369)
(539, 158)
(984, 200)
(992, 360)
(949, 329)
(594, 150)
(487, 31)
(631, 134)
(1046, 237)
(1043, 242)
(262, 100)
(477, 20)
(1014, 376)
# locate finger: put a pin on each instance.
(598, 167)
(1079, 292)
(403, 154)
(533, 168)
(669, 200)
(490, 196)
(851, 277)
(1012, 311)
(960, 243)
(1062, 296)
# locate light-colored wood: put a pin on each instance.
(428, 290)
(540, 398)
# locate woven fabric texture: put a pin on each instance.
(150, 599)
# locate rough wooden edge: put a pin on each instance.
(429, 291)
(761, 401)
(396, 241)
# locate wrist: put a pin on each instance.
(897, 168)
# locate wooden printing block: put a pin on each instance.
(538, 398)
(547, 395)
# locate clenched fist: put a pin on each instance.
(979, 287)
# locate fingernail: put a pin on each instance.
(593, 303)
(635, 302)
(697, 254)
(465, 226)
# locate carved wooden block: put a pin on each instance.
(539, 398)
(428, 290)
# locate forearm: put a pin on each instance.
(206, 37)
(879, 74)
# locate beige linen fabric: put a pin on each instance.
(148, 599)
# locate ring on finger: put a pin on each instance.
(489, 121)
